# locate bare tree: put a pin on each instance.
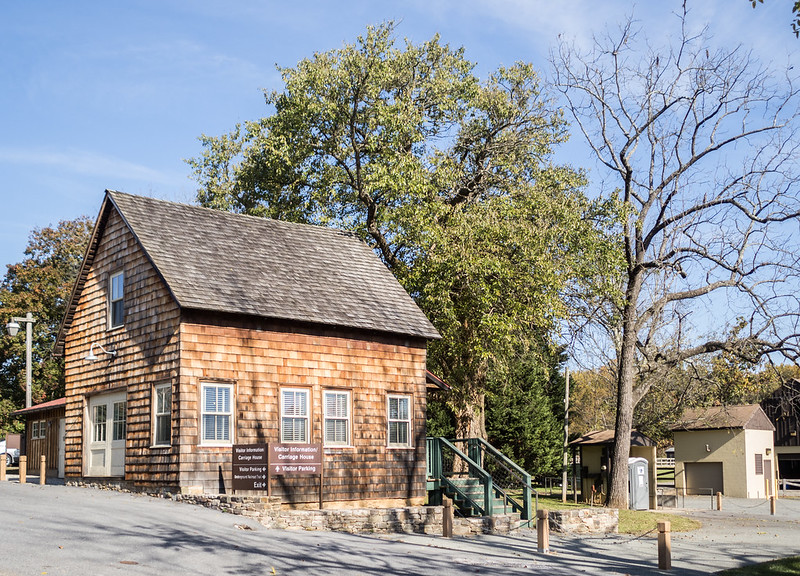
(701, 147)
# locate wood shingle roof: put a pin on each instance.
(232, 263)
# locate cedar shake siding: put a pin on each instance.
(253, 307)
(260, 358)
(147, 354)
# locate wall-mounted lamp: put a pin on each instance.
(708, 449)
(769, 451)
(90, 357)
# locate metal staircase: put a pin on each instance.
(479, 479)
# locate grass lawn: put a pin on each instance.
(630, 521)
(783, 566)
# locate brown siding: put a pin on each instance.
(259, 358)
(35, 447)
(147, 347)
(160, 343)
(783, 410)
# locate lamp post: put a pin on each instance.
(13, 328)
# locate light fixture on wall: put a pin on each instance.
(768, 451)
(91, 357)
(708, 449)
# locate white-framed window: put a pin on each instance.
(294, 415)
(99, 416)
(119, 424)
(217, 413)
(399, 418)
(760, 464)
(336, 418)
(116, 300)
(162, 414)
(38, 429)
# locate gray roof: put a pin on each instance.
(745, 416)
(223, 262)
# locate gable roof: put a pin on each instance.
(744, 416)
(222, 262)
(603, 437)
(433, 382)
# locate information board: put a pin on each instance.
(250, 467)
(295, 459)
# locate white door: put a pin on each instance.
(106, 435)
(61, 440)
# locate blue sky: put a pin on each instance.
(97, 95)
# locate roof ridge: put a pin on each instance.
(219, 211)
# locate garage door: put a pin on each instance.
(702, 476)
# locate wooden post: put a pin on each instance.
(447, 518)
(772, 505)
(42, 470)
(565, 456)
(2, 467)
(543, 531)
(719, 500)
(321, 476)
(23, 469)
(664, 545)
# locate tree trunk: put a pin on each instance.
(618, 484)
(470, 419)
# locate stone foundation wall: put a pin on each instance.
(585, 521)
(413, 519)
(269, 512)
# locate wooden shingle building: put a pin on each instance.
(190, 330)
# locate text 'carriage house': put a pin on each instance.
(192, 330)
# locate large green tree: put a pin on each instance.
(447, 177)
(41, 284)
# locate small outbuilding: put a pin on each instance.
(595, 455)
(726, 449)
(44, 436)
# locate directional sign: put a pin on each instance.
(249, 467)
(295, 459)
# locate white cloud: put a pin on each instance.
(86, 163)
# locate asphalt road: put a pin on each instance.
(62, 530)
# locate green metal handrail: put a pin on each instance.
(434, 467)
(525, 508)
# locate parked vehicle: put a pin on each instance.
(11, 455)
